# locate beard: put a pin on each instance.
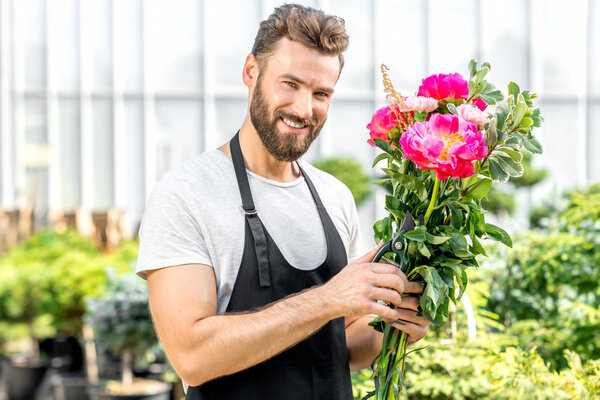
(283, 146)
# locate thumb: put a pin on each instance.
(368, 256)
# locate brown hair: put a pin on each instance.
(310, 27)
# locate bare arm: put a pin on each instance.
(202, 345)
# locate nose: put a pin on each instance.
(303, 105)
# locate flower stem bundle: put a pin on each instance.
(443, 149)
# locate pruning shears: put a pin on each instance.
(397, 245)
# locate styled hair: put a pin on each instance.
(312, 28)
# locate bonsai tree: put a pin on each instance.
(122, 323)
(350, 172)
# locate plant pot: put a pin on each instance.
(24, 380)
(142, 389)
(71, 387)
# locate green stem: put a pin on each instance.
(434, 195)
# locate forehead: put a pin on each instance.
(308, 64)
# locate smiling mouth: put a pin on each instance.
(292, 124)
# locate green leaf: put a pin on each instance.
(516, 155)
(519, 113)
(526, 122)
(417, 235)
(411, 183)
(437, 240)
(392, 203)
(496, 172)
(434, 292)
(382, 182)
(458, 242)
(502, 112)
(533, 145)
(423, 249)
(472, 68)
(481, 74)
(480, 189)
(384, 145)
(491, 97)
(513, 89)
(380, 157)
(456, 215)
(452, 108)
(477, 248)
(509, 166)
(498, 234)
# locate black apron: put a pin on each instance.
(315, 368)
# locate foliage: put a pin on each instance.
(120, 316)
(542, 273)
(499, 201)
(30, 275)
(351, 173)
(576, 328)
(45, 280)
(490, 368)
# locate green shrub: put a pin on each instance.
(486, 369)
(45, 280)
(351, 173)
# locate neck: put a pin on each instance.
(259, 160)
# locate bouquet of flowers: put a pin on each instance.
(443, 149)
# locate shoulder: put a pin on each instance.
(194, 176)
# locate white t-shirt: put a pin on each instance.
(194, 215)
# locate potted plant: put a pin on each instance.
(76, 277)
(122, 325)
(43, 285)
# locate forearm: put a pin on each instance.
(363, 342)
(224, 344)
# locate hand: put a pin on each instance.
(415, 326)
(356, 289)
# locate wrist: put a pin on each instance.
(322, 302)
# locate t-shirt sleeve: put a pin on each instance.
(169, 233)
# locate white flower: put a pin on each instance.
(419, 103)
(472, 114)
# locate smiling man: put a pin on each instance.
(246, 247)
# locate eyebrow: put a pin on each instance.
(300, 81)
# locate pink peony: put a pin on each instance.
(446, 144)
(473, 114)
(382, 122)
(419, 103)
(482, 105)
(444, 86)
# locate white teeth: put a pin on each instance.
(293, 125)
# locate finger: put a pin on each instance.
(413, 287)
(388, 281)
(414, 331)
(384, 311)
(410, 303)
(368, 256)
(388, 296)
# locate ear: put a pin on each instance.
(250, 72)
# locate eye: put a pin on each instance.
(291, 84)
(322, 94)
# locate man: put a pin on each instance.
(246, 247)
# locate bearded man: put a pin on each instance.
(246, 247)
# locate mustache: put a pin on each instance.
(295, 119)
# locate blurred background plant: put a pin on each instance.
(351, 173)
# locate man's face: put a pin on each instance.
(291, 98)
